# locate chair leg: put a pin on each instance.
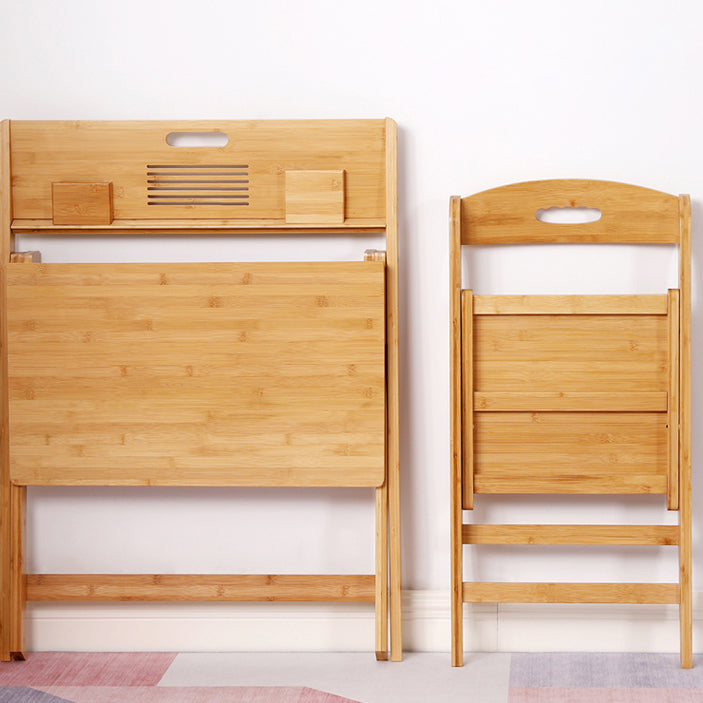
(457, 583)
(685, 603)
(457, 622)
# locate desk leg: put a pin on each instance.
(394, 553)
(382, 572)
(18, 596)
(5, 572)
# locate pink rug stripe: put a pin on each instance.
(87, 669)
(192, 694)
(522, 694)
(312, 695)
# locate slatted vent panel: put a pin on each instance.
(213, 184)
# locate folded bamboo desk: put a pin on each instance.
(199, 374)
(571, 394)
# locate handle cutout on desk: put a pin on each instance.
(568, 215)
(197, 139)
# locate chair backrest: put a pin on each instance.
(629, 214)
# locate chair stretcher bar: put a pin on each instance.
(629, 535)
(530, 592)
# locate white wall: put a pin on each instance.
(484, 93)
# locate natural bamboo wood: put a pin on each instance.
(81, 203)
(554, 401)
(126, 152)
(591, 452)
(199, 587)
(19, 596)
(686, 608)
(573, 483)
(381, 581)
(672, 496)
(166, 368)
(571, 353)
(167, 371)
(571, 534)
(315, 196)
(578, 394)
(571, 592)
(201, 226)
(7, 575)
(25, 257)
(570, 305)
(381, 621)
(457, 451)
(467, 382)
(629, 214)
(375, 255)
(393, 389)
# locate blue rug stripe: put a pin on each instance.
(604, 670)
(25, 694)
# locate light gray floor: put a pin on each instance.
(419, 678)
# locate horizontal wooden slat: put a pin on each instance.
(197, 587)
(574, 483)
(571, 401)
(569, 452)
(194, 226)
(570, 353)
(571, 592)
(629, 214)
(571, 534)
(570, 304)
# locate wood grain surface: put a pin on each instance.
(124, 153)
(200, 587)
(197, 374)
(629, 213)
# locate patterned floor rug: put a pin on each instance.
(240, 677)
(67, 677)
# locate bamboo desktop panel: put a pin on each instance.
(564, 394)
(200, 374)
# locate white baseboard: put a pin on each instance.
(350, 627)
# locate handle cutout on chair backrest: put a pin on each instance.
(197, 139)
(568, 215)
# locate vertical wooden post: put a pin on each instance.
(392, 366)
(672, 436)
(456, 433)
(467, 398)
(381, 597)
(18, 503)
(6, 545)
(685, 607)
(382, 572)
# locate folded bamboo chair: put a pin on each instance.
(571, 394)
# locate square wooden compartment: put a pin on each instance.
(81, 203)
(315, 197)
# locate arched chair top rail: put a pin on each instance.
(630, 214)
